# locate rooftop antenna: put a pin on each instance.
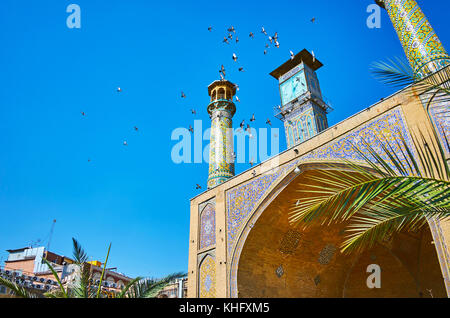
(50, 235)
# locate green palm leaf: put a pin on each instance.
(103, 272)
(55, 275)
(17, 290)
(150, 288)
(393, 72)
(130, 284)
(394, 192)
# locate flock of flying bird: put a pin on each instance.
(222, 72)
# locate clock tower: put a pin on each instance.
(302, 109)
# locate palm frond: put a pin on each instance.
(150, 288)
(55, 275)
(393, 72)
(130, 284)
(79, 254)
(16, 289)
(81, 288)
(398, 73)
(103, 272)
(396, 192)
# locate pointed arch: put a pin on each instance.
(207, 277)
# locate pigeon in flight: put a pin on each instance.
(237, 40)
(125, 143)
(277, 45)
(235, 57)
(251, 162)
(210, 28)
(254, 173)
(251, 35)
(242, 124)
(136, 129)
(231, 29)
(314, 56)
(230, 36)
(263, 31)
(193, 111)
(237, 99)
(225, 40)
(183, 95)
(119, 89)
(292, 55)
(313, 20)
(275, 36)
(248, 129)
(222, 71)
(253, 118)
(83, 114)
(191, 129)
(197, 186)
(241, 69)
(268, 122)
(265, 52)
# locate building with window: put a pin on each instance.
(25, 267)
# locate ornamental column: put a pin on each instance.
(424, 50)
(426, 56)
(221, 110)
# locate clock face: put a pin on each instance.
(293, 87)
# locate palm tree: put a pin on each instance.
(397, 73)
(83, 286)
(436, 87)
(147, 287)
(393, 191)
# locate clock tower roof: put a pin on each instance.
(304, 56)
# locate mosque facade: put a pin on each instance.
(241, 243)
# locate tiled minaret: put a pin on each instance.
(221, 110)
(423, 48)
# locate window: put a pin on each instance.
(319, 123)
(300, 130)
(310, 128)
(221, 94)
(228, 94)
(2, 290)
(291, 136)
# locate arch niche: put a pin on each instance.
(273, 259)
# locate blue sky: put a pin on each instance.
(135, 196)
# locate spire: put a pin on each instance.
(422, 47)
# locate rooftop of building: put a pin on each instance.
(303, 56)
